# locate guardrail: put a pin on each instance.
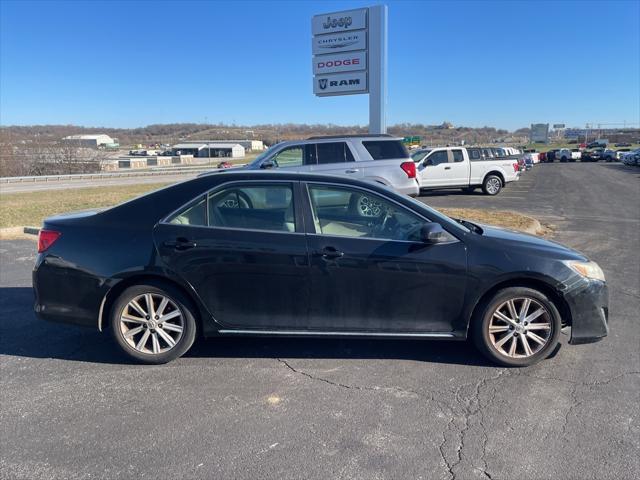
(104, 176)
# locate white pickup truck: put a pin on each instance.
(466, 168)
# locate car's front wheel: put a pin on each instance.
(492, 185)
(517, 327)
(153, 323)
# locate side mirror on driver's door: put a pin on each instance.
(267, 164)
(433, 233)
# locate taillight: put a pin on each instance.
(409, 168)
(46, 238)
(516, 167)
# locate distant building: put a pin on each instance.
(209, 149)
(249, 145)
(539, 133)
(92, 141)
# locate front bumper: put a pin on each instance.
(589, 307)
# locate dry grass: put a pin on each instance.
(21, 209)
(499, 218)
(31, 208)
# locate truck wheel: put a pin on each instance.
(492, 185)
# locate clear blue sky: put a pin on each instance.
(502, 64)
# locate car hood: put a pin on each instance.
(513, 239)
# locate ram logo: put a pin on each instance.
(322, 83)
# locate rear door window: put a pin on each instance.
(334, 152)
(385, 149)
(457, 155)
(474, 154)
(253, 207)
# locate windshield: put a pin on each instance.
(419, 155)
(440, 216)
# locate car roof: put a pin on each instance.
(247, 174)
(333, 138)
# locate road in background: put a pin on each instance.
(72, 407)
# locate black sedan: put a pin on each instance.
(272, 253)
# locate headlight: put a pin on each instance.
(587, 269)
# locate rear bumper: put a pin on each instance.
(64, 293)
(411, 189)
(589, 306)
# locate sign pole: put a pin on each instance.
(377, 69)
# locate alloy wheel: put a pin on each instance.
(520, 327)
(151, 323)
(369, 207)
(493, 186)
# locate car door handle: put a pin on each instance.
(447, 168)
(330, 252)
(352, 170)
(180, 244)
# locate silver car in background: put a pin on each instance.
(378, 158)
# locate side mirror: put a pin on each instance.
(267, 164)
(433, 233)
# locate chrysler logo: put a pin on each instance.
(337, 22)
(322, 83)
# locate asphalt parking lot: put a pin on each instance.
(288, 408)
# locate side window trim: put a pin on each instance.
(297, 208)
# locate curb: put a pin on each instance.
(18, 232)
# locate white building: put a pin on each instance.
(91, 141)
(209, 149)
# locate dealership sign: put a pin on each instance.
(339, 42)
(342, 62)
(349, 51)
(339, 22)
(340, 84)
(340, 52)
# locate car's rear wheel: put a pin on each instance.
(153, 323)
(492, 185)
(517, 327)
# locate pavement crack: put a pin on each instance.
(403, 391)
(320, 379)
(471, 407)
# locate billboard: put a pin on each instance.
(539, 133)
(558, 125)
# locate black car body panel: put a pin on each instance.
(244, 281)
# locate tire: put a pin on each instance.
(488, 343)
(492, 185)
(563, 159)
(155, 332)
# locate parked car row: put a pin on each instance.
(631, 158)
(584, 155)
(384, 159)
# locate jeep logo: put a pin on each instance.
(337, 22)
